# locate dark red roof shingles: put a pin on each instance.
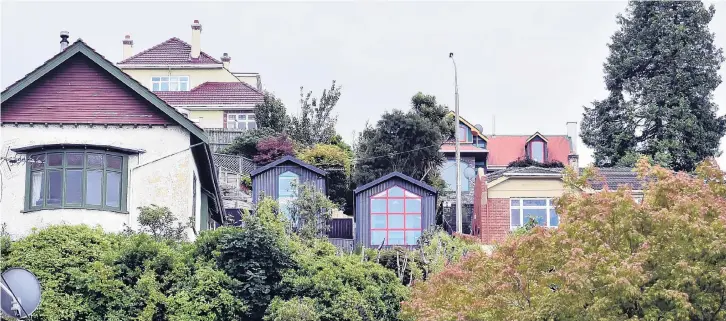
(214, 93)
(171, 52)
(505, 149)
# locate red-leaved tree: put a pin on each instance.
(612, 258)
(272, 148)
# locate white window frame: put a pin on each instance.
(532, 154)
(158, 81)
(549, 207)
(249, 118)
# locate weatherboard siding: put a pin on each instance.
(362, 207)
(79, 91)
(266, 182)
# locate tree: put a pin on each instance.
(310, 212)
(611, 258)
(337, 162)
(246, 144)
(161, 223)
(407, 142)
(273, 148)
(661, 74)
(315, 123)
(271, 113)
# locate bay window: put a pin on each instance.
(395, 217)
(170, 83)
(76, 179)
(541, 210)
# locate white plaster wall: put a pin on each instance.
(164, 182)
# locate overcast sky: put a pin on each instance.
(532, 65)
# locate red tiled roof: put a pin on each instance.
(505, 149)
(214, 93)
(171, 52)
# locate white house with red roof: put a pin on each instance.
(197, 84)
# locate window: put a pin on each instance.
(395, 217)
(170, 83)
(463, 133)
(241, 121)
(537, 151)
(286, 192)
(542, 210)
(76, 179)
(449, 175)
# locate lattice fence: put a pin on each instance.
(234, 163)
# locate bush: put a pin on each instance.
(337, 162)
(526, 162)
(246, 144)
(272, 148)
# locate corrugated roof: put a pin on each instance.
(214, 93)
(505, 149)
(170, 52)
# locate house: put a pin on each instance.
(504, 149)
(186, 77)
(507, 199)
(279, 178)
(84, 143)
(393, 210)
(474, 153)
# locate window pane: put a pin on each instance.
(38, 161)
(554, 218)
(534, 202)
(381, 194)
(284, 204)
(409, 194)
(184, 78)
(395, 206)
(462, 133)
(514, 202)
(412, 237)
(378, 221)
(174, 86)
(378, 205)
(449, 174)
(395, 221)
(93, 187)
(55, 187)
(413, 221)
(114, 162)
(377, 237)
(55, 159)
(241, 125)
(251, 116)
(155, 87)
(514, 220)
(95, 160)
(173, 78)
(74, 186)
(164, 79)
(36, 188)
(183, 86)
(230, 125)
(113, 189)
(251, 125)
(164, 86)
(155, 78)
(538, 151)
(413, 206)
(231, 116)
(395, 192)
(241, 117)
(395, 237)
(74, 159)
(538, 214)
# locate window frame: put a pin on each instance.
(544, 150)
(63, 168)
(168, 82)
(237, 121)
(387, 213)
(463, 129)
(549, 207)
(283, 201)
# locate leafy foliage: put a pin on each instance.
(310, 212)
(296, 309)
(315, 123)
(246, 144)
(337, 162)
(611, 258)
(271, 113)
(161, 223)
(526, 162)
(661, 74)
(407, 142)
(272, 148)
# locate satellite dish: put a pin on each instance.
(479, 128)
(20, 295)
(469, 172)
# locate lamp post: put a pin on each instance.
(458, 151)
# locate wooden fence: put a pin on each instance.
(221, 138)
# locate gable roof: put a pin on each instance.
(173, 51)
(285, 159)
(396, 175)
(507, 148)
(470, 125)
(214, 93)
(537, 134)
(80, 47)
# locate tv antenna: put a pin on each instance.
(20, 294)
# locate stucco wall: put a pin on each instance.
(527, 187)
(165, 182)
(208, 118)
(196, 76)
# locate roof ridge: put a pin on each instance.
(150, 48)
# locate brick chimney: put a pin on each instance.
(573, 158)
(481, 196)
(64, 40)
(128, 47)
(196, 39)
(226, 60)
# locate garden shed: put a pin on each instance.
(278, 178)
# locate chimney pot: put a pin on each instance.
(226, 60)
(64, 40)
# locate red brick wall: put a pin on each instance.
(494, 220)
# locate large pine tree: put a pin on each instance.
(660, 74)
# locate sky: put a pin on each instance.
(523, 67)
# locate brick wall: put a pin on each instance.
(494, 221)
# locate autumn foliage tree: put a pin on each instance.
(272, 148)
(612, 258)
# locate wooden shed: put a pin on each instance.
(276, 179)
(393, 210)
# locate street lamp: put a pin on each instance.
(458, 151)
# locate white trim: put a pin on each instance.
(558, 175)
(548, 207)
(215, 107)
(197, 66)
(189, 83)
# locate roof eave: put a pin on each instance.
(174, 66)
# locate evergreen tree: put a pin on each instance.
(315, 123)
(661, 73)
(271, 113)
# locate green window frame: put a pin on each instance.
(76, 178)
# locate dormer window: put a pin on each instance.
(170, 83)
(537, 151)
(463, 134)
